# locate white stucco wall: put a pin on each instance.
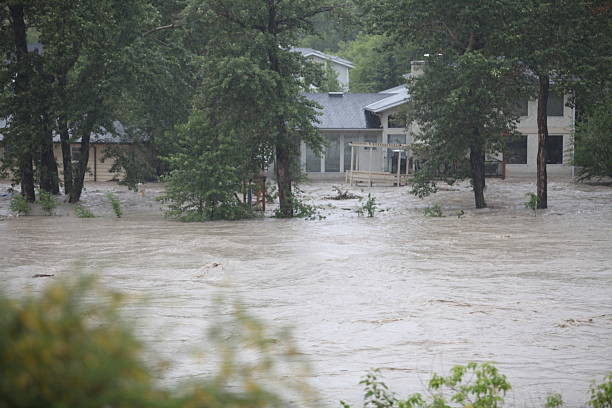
(557, 126)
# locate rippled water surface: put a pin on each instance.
(400, 291)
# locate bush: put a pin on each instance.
(70, 347)
(532, 202)
(369, 207)
(593, 139)
(204, 175)
(19, 205)
(47, 202)
(115, 203)
(601, 394)
(83, 212)
(433, 211)
(301, 209)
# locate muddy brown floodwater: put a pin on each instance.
(400, 291)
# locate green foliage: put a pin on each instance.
(115, 203)
(19, 205)
(379, 62)
(47, 202)
(433, 211)
(368, 207)
(423, 184)
(205, 174)
(70, 347)
(133, 164)
(330, 82)
(532, 202)
(473, 385)
(82, 212)
(59, 350)
(601, 394)
(554, 401)
(300, 208)
(593, 143)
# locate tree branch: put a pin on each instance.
(161, 28)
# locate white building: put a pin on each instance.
(372, 117)
(339, 65)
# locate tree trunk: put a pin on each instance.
(79, 179)
(66, 154)
(477, 165)
(542, 181)
(282, 168)
(49, 177)
(22, 114)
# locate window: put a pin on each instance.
(516, 150)
(313, 162)
(392, 155)
(332, 154)
(347, 150)
(396, 120)
(554, 149)
(370, 139)
(75, 153)
(555, 105)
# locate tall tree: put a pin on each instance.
(85, 44)
(252, 81)
(19, 139)
(560, 42)
(465, 36)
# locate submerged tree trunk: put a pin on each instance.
(477, 165)
(22, 114)
(542, 180)
(49, 177)
(79, 177)
(282, 169)
(66, 154)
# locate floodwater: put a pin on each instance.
(402, 292)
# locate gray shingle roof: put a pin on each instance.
(347, 111)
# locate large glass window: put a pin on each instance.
(516, 150)
(332, 154)
(392, 155)
(313, 162)
(347, 150)
(555, 105)
(554, 149)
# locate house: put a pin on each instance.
(356, 118)
(99, 169)
(339, 65)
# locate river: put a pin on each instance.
(400, 291)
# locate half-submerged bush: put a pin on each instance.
(205, 175)
(19, 205)
(47, 202)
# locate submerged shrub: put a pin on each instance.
(116, 204)
(19, 205)
(433, 211)
(83, 212)
(47, 202)
(368, 207)
(532, 202)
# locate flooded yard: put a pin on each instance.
(400, 291)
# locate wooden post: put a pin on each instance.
(352, 163)
(370, 167)
(399, 166)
